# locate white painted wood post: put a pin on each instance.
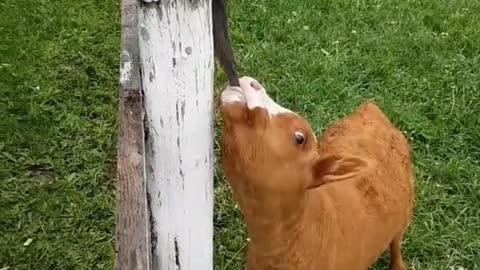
(176, 55)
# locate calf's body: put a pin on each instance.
(333, 204)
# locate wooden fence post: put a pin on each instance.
(133, 234)
(177, 64)
(165, 157)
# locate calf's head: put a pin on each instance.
(269, 153)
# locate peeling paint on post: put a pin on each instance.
(176, 54)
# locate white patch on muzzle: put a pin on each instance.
(232, 94)
(254, 94)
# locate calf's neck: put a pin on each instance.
(333, 203)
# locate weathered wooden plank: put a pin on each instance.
(176, 52)
(133, 234)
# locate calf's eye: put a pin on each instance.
(299, 137)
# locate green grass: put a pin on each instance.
(59, 60)
(58, 124)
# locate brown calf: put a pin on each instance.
(335, 204)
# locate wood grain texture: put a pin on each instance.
(133, 236)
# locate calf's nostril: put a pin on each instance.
(255, 85)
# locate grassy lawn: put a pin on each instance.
(58, 122)
(59, 60)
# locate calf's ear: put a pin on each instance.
(335, 168)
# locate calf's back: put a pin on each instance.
(367, 212)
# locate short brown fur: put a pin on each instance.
(333, 205)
